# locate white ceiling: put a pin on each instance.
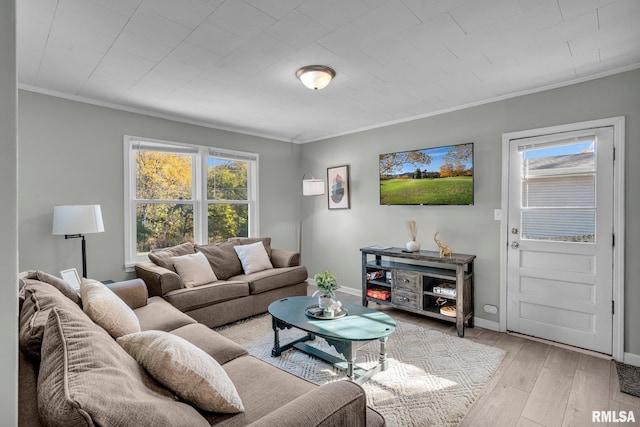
(231, 64)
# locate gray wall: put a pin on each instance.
(332, 238)
(9, 215)
(72, 153)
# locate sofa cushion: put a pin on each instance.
(223, 259)
(193, 298)
(162, 257)
(215, 345)
(160, 315)
(107, 309)
(253, 257)
(61, 285)
(86, 378)
(194, 269)
(267, 280)
(263, 388)
(40, 298)
(184, 368)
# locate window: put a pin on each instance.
(177, 193)
(559, 191)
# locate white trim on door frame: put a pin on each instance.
(618, 124)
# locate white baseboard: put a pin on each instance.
(632, 359)
(344, 289)
(486, 324)
(351, 291)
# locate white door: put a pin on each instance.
(560, 231)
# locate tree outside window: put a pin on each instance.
(167, 206)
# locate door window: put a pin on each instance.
(559, 191)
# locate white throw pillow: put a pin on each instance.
(194, 269)
(253, 257)
(185, 369)
(106, 309)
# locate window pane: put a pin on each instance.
(570, 225)
(226, 179)
(163, 176)
(160, 225)
(562, 191)
(228, 220)
(559, 159)
(559, 191)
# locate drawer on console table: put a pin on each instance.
(407, 280)
(403, 298)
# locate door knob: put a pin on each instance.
(514, 245)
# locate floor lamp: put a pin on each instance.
(76, 221)
(310, 187)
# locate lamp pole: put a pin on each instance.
(84, 251)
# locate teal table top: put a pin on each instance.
(360, 324)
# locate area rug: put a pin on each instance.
(431, 380)
(629, 377)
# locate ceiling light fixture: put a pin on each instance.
(316, 77)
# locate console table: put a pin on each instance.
(420, 282)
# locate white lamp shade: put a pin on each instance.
(77, 219)
(312, 187)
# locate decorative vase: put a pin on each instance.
(325, 300)
(413, 246)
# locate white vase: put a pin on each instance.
(325, 300)
(413, 246)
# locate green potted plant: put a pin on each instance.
(327, 285)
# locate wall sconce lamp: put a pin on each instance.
(312, 187)
(76, 221)
(316, 77)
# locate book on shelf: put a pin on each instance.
(380, 247)
(445, 290)
(375, 275)
(380, 294)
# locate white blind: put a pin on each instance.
(559, 192)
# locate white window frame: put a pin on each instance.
(199, 190)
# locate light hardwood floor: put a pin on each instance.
(537, 384)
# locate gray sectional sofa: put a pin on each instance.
(235, 294)
(73, 372)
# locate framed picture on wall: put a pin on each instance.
(71, 277)
(338, 183)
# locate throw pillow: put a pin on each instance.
(105, 308)
(223, 259)
(40, 298)
(253, 257)
(194, 269)
(61, 285)
(162, 257)
(266, 241)
(86, 378)
(185, 369)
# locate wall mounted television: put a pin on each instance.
(430, 176)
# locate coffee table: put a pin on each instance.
(359, 325)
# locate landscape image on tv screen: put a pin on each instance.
(431, 176)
